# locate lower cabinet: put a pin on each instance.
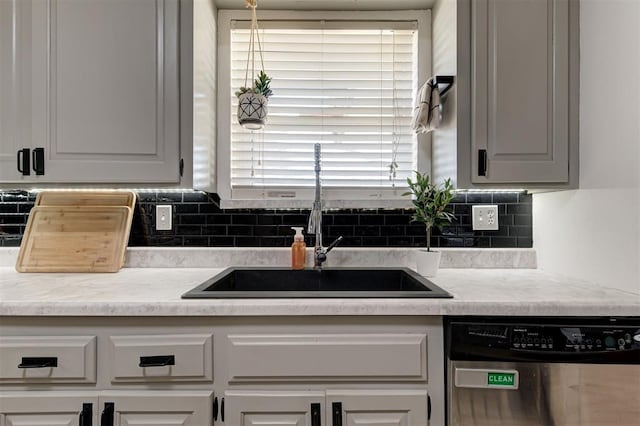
(388, 407)
(152, 371)
(47, 408)
(252, 408)
(140, 408)
(393, 407)
(154, 408)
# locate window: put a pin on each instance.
(346, 83)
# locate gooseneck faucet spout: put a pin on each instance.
(315, 218)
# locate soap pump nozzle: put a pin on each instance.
(298, 236)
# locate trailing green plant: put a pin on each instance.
(261, 86)
(242, 91)
(430, 202)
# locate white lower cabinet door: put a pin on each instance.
(43, 408)
(154, 408)
(274, 408)
(389, 407)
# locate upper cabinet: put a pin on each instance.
(92, 88)
(121, 92)
(517, 95)
(520, 96)
(15, 119)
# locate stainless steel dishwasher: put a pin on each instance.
(523, 371)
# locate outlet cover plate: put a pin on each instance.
(485, 217)
(164, 220)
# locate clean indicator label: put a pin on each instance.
(501, 379)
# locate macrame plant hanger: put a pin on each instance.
(253, 98)
(254, 36)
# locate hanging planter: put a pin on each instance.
(253, 101)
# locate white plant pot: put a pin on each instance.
(427, 262)
(252, 110)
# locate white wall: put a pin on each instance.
(444, 159)
(204, 94)
(594, 232)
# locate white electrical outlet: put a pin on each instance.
(163, 217)
(485, 217)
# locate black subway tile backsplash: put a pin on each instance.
(199, 221)
(480, 198)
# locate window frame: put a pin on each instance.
(333, 198)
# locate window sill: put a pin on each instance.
(306, 204)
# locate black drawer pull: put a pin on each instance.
(315, 414)
(157, 361)
(24, 161)
(38, 362)
(336, 410)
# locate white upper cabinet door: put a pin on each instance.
(15, 90)
(8, 142)
(105, 90)
(520, 91)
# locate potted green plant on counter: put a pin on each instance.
(431, 203)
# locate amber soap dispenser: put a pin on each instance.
(298, 249)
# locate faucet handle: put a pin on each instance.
(333, 244)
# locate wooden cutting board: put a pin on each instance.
(75, 239)
(87, 198)
(91, 198)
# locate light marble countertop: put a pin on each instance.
(482, 281)
(157, 291)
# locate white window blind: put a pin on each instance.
(349, 89)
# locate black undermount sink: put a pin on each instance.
(261, 283)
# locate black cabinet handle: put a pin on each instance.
(38, 161)
(215, 408)
(482, 162)
(336, 411)
(24, 161)
(86, 415)
(157, 361)
(38, 362)
(428, 407)
(315, 414)
(106, 418)
(222, 409)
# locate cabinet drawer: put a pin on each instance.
(161, 358)
(48, 359)
(328, 357)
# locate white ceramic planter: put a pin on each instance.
(252, 110)
(427, 262)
